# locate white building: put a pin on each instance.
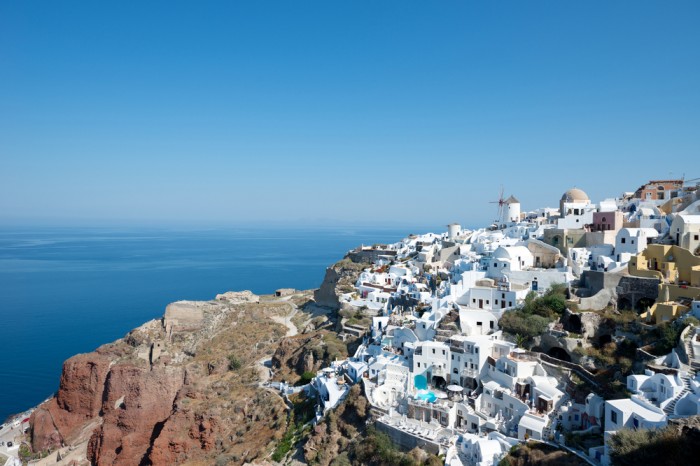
(685, 231)
(632, 241)
(575, 210)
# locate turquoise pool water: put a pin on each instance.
(420, 382)
(428, 396)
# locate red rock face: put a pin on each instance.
(182, 434)
(44, 433)
(82, 384)
(137, 402)
(79, 399)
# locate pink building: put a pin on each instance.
(607, 221)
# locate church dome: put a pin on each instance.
(574, 195)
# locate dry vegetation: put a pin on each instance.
(539, 454)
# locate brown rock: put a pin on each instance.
(137, 403)
(44, 433)
(78, 400)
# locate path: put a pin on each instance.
(292, 329)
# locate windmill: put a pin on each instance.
(501, 203)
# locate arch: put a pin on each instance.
(559, 353)
(574, 323)
(439, 381)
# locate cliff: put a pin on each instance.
(181, 390)
(340, 278)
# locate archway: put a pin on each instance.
(439, 382)
(559, 353)
(574, 324)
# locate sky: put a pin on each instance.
(330, 112)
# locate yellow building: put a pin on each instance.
(679, 272)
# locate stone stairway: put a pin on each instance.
(671, 407)
(694, 365)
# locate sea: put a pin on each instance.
(65, 291)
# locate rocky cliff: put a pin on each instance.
(181, 390)
(340, 278)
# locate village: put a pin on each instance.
(547, 325)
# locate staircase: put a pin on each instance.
(694, 365)
(670, 408)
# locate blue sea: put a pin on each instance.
(68, 291)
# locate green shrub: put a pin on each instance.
(234, 363)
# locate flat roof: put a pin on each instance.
(629, 405)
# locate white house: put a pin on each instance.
(331, 388)
(655, 387)
(432, 357)
(632, 413)
(685, 231)
(575, 210)
(508, 259)
(632, 241)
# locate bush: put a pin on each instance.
(306, 378)
(234, 363)
(520, 323)
(658, 447)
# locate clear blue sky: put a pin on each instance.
(364, 111)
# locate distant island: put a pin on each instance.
(565, 335)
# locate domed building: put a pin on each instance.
(573, 196)
(575, 210)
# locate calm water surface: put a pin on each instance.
(67, 291)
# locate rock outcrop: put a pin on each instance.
(169, 392)
(79, 400)
(137, 401)
(340, 278)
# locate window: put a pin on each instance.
(696, 237)
(453, 357)
(495, 301)
(491, 324)
(433, 350)
(443, 352)
(454, 371)
(479, 324)
(623, 240)
(613, 417)
(373, 369)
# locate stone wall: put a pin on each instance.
(405, 440)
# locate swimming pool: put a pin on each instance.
(426, 395)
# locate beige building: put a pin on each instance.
(676, 267)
